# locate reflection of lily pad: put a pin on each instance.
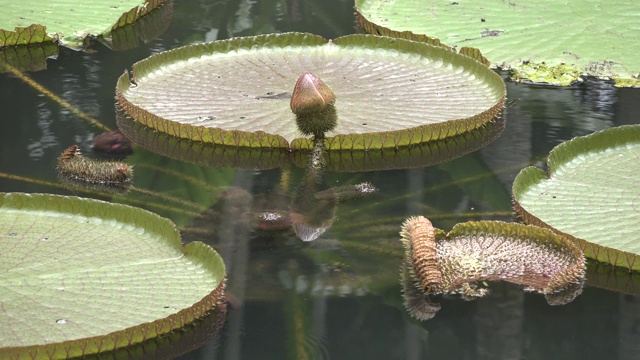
(71, 23)
(389, 92)
(543, 40)
(143, 30)
(81, 276)
(426, 154)
(613, 279)
(590, 194)
(27, 58)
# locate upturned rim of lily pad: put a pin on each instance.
(389, 92)
(406, 157)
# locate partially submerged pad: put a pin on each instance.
(590, 194)
(82, 276)
(389, 92)
(472, 252)
(544, 41)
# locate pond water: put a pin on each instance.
(339, 296)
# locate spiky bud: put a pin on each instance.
(74, 166)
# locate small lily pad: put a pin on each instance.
(590, 193)
(82, 276)
(389, 92)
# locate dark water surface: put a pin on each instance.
(337, 297)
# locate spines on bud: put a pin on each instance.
(74, 166)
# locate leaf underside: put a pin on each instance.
(81, 276)
(544, 41)
(590, 194)
(389, 92)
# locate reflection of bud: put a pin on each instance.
(273, 221)
(416, 301)
(310, 95)
(73, 165)
(490, 250)
(112, 143)
(347, 192)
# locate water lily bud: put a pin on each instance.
(310, 95)
(73, 165)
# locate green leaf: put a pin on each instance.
(389, 92)
(70, 22)
(544, 41)
(81, 276)
(214, 155)
(590, 194)
(27, 58)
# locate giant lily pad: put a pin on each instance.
(71, 23)
(544, 41)
(591, 194)
(81, 276)
(389, 92)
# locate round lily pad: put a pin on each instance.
(388, 92)
(591, 194)
(82, 276)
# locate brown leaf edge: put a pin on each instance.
(136, 13)
(32, 34)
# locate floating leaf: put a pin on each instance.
(476, 251)
(71, 23)
(544, 41)
(389, 93)
(81, 276)
(591, 193)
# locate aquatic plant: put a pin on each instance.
(590, 181)
(507, 33)
(73, 165)
(389, 93)
(66, 262)
(474, 252)
(112, 143)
